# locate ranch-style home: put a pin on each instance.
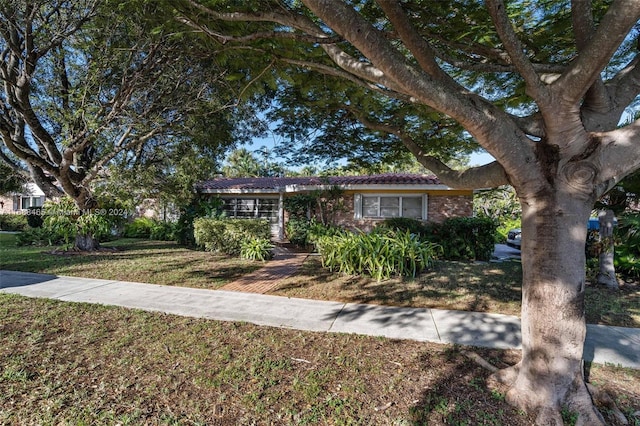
(366, 200)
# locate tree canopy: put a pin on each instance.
(95, 89)
(549, 89)
(336, 101)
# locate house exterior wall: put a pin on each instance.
(7, 205)
(12, 203)
(441, 205)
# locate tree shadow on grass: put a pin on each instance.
(157, 262)
(460, 395)
(450, 285)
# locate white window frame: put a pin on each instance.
(34, 201)
(358, 204)
(256, 210)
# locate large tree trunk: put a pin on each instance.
(86, 243)
(606, 268)
(85, 240)
(550, 374)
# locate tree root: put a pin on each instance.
(582, 402)
(480, 361)
(602, 399)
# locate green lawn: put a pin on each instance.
(156, 262)
(480, 287)
(75, 363)
(82, 364)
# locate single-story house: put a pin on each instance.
(367, 200)
(18, 203)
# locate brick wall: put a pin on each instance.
(440, 208)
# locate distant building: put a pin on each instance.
(17, 203)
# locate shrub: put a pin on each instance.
(140, 227)
(317, 230)
(627, 257)
(227, 235)
(208, 207)
(34, 217)
(36, 237)
(465, 238)
(13, 222)
(62, 222)
(163, 231)
(256, 249)
(144, 227)
(59, 221)
(378, 254)
(414, 226)
(297, 230)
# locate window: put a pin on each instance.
(384, 206)
(265, 208)
(30, 202)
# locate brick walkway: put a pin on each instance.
(283, 265)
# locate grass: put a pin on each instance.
(70, 363)
(74, 363)
(156, 262)
(480, 287)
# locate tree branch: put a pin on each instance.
(418, 46)
(262, 35)
(287, 19)
(583, 72)
(340, 73)
(487, 176)
(492, 67)
(535, 88)
(625, 86)
(617, 155)
(597, 98)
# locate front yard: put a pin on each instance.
(136, 260)
(73, 363)
(481, 287)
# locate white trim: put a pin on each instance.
(358, 204)
(281, 217)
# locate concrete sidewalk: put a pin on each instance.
(616, 345)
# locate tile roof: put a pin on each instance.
(273, 183)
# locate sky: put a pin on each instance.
(476, 159)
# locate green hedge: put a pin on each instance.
(465, 238)
(228, 235)
(461, 238)
(144, 227)
(13, 222)
(297, 230)
(140, 227)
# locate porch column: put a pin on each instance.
(281, 216)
